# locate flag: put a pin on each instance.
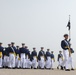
(69, 25)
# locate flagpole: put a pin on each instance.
(69, 31)
(69, 27)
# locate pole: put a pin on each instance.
(69, 31)
(69, 39)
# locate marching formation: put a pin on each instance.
(20, 57)
(14, 57)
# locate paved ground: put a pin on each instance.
(34, 72)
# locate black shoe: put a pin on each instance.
(57, 67)
(48, 68)
(6, 66)
(72, 69)
(23, 68)
(42, 68)
(13, 68)
(1, 68)
(52, 68)
(17, 68)
(67, 69)
(9, 68)
(35, 68)
(62, 68)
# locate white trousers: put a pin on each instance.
(42, 62)
(6, 61)
(17, 62)
(66, 59)
(71, 62)
(22, 60)
(28, 63)
(60, 62)
(34, 62)
(48, 62)
(11, 60)
(52, 63)
(1, 62)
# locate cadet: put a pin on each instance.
(1, 54)
(41, 58)
(18, 57)
(52, 59)
(12, 50)
(48, 59)
(34, 58)
(60, 59)
(6, 57)
(23, 55)
(28, 58)
(65, 46)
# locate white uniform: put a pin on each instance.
(66, 59)
(66, 54)
(34, 62)
(6, 61)
(22, 60)
(28, 62)
(71, 62)
(48, 63)
(1, 55)
(1, 61)
(52, 63)
(52, 60)
(60, 62)
(60, 59)
(41, 58)
(12, 60)
(12, 57)
(18, 64)
(42, 62)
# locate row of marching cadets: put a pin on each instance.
(45, 60)
(20, 57)
(14, 57)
